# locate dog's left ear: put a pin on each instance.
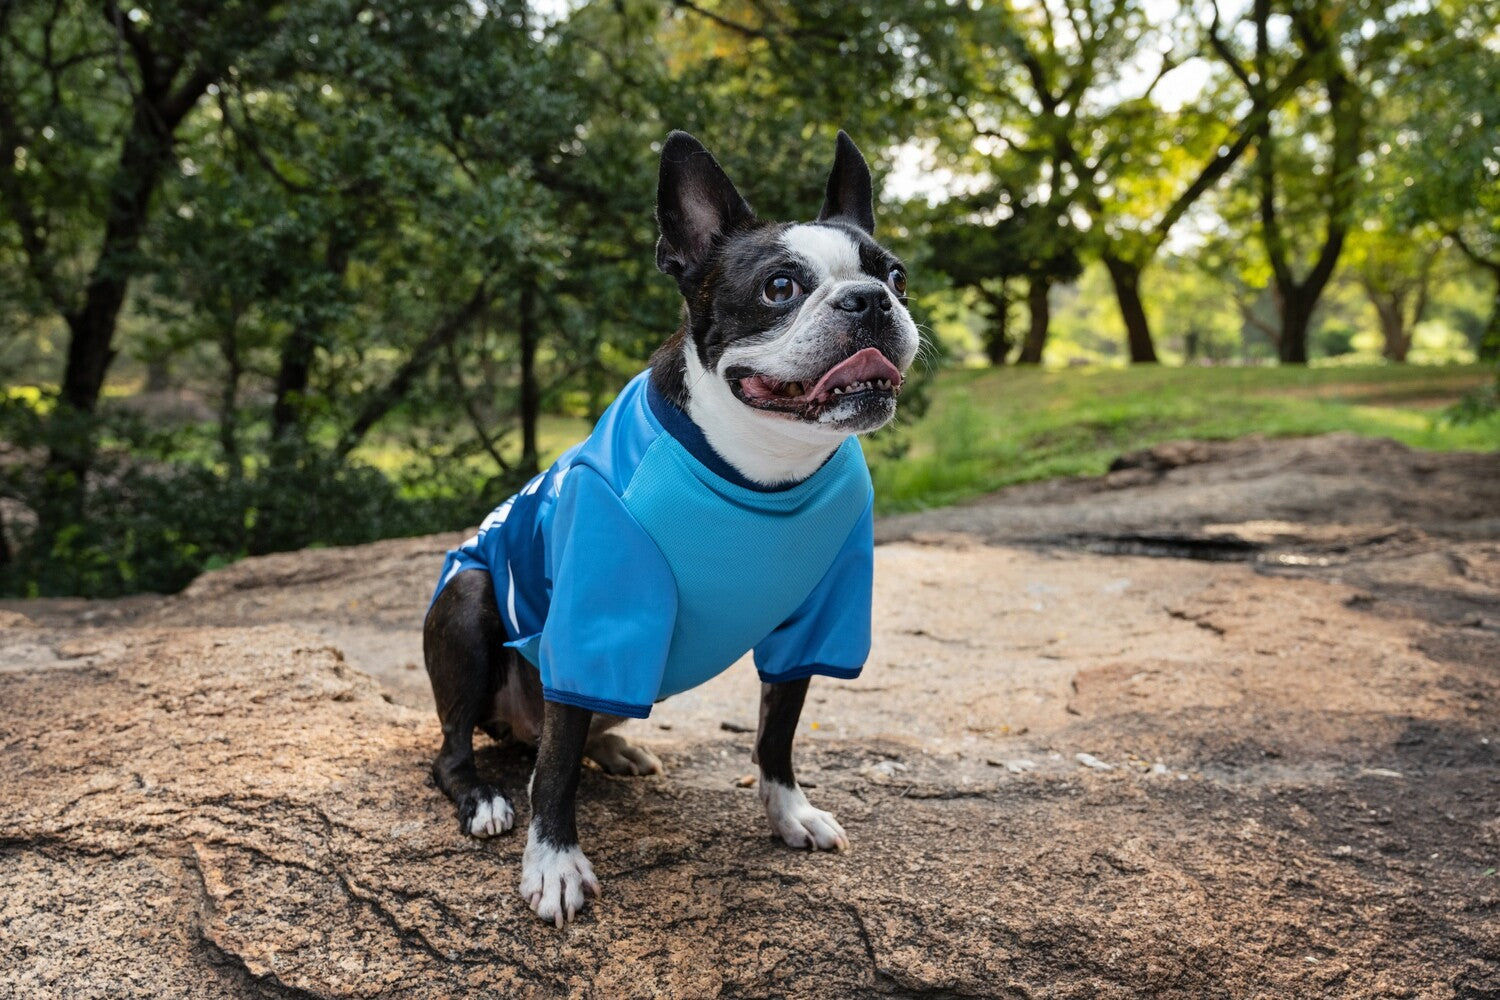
(850, 197)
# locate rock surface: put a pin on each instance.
(225, 793)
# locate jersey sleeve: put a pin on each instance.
(829, 635)
(614, 604)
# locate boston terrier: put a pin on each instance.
(721, 505)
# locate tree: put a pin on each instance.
(1026, 87)
(1161, 162)
(988, 258)
(1396, 272)
(1441, 160)
(92, 98)
(1305, 170)
(1053, 91)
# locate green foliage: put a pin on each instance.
(1478, 407)
(152, 522)
(386, 258)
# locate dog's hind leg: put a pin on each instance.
(614, 753)
(467, 662)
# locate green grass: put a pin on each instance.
(989, 428)
(992, 428)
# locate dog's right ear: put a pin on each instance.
(695, 202)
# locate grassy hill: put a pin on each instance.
(995, 427)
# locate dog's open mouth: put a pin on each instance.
(866, 375)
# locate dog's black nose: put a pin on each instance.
(863, 299)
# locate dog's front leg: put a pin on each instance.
(792, 817)
(554, 873)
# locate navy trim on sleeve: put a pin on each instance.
(604, 705)
(813, 670)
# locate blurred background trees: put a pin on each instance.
(274, 275)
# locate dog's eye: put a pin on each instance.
(781, 288)
(897, 278)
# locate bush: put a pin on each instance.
(155, 526)
(1476, 407)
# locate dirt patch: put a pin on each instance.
(1065, 773)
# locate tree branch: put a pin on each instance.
(476, 420)
(379, 402)
(248, 140)
(722, 21)
(1474, 255)
(1220, 165)
(1227, 56)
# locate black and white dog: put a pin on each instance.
(641, 556)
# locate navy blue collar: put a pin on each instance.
(675, 421)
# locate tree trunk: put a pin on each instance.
(531, 402)
(291, 382)
(1489, 346)
(1126, 278)
(300, 350)
(1297, 304)
(1395, 334)
(229, 401)
(1489, 342)
(1041, 318)
(997, 342)
(91, 329)
(1346, 115)
(144, 154)
(158, 375)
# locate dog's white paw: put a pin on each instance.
(616, 755)
(554, 880)
(492, 814)
(795, 820)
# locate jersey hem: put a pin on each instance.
(605, 705)
(812, 670)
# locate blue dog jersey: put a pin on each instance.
(642, 564)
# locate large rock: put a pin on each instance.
(1065, 775)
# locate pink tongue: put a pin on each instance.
(866, 366)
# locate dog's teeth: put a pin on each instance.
(838, 392)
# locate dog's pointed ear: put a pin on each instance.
(850, 196)
(695, 202)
